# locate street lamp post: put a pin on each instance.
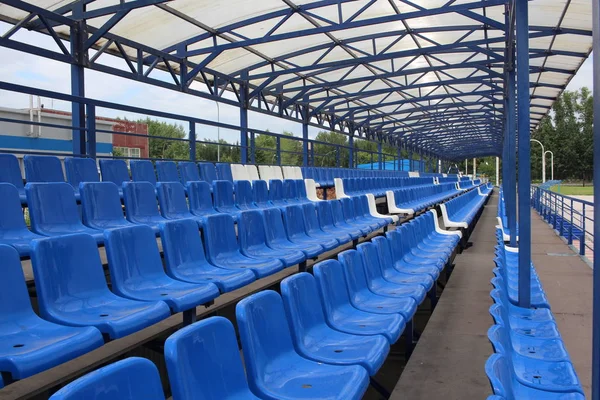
(551, 163)
(543, 159)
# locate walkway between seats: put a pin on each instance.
(448, 362)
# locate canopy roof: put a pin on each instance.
(429, 74)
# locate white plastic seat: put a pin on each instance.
(238, 171)
(393, 208)
(339, 188)
(373, 209)
(297, 172)
(277, 172)
(311, 190)
(441, 231)
(252, 172)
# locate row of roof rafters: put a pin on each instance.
(426, 74)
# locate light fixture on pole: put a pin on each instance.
(551, 163)
(543, 159)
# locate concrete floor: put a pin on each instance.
(448, 362)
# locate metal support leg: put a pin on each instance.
(408, 338)
(189, 316)
(302, 266)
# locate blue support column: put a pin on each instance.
(379, 156)
(510, 195)
(252, 148)
(78, 37)
(522, 15)
(91, 130)
(421, 162)
(596, 295)
(244, 123)
(351, 150)
(278, 150)
(305, 145)
(192, 139)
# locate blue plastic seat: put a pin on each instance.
(142, 171)
(129, 379)
(203, 362)
(252, 238)
(378, 285)
(275, 370)
(391, 274)
(208, 173)
(290, 192)
(188, 171)
(399, 247)
(360, 295)
(53, 211)
(72, 289)
(342, 315)
(223, 250)
(172, 201)
(81, 170)
(277, 238)
(200, 200)
(313, 228)
(260, 194)
(315, 340)
(101, 206)
(295, 228)
(29, 344)
(137, 272)
(351, 219)
(224, 172)
(243, 195)
(114, 171)
(340, 221)
(327, 223)
(10, 172)
(43, 169)
(185, 259)
(167, 171)
(141, 206)
(276, 193)
(223, 199)
(504, 383)
(13, 230)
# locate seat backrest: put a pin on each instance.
(81, 170)
(276, 190)
(171, 198)
(274, 229)
(348, 208)
(114, 171)
(251, 229)
(288, 173)
(370, 259)
(266, 173)
(384, 251)
(11, 214)
(332, 285)
(301, 189)
(51, 204)
(325, 213)
(10, 171)
(208, 172)
(167, 171)
(243, 194)
(223, 194)
(14, 297)
(188, 171)
(100, 201)
(224, 172)
(130, 378)
(290, 189)
(204, 362)
(302, 304)
(354, 270)
(66, 268)
(43, 169)
(200, 200)
(142, 171)
(139, 199)
(293, 218)
(311, 219)
(239, 173)
(264, 332)
(297, 172)
(132, 256)
(260, 192)
(182, 245)
(219, 235)
(252, 172)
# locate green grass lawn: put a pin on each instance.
(573, 190)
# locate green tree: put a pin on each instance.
(326, 155)
(163, 140)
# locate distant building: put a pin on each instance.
(21, 138)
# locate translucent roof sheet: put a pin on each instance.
(426, 72)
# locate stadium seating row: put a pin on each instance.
(49, 169)
(503, 218)
(530, 360)
(323, 337)
(376, 186)
(461, 211)
(411, 200)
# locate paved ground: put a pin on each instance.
(567, 281)
(448, 362)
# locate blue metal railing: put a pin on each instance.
(572, 218)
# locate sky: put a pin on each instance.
(25, 69)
